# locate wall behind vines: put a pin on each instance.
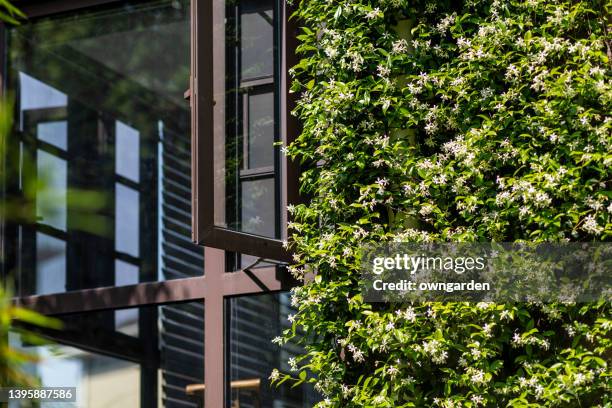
(451, 121)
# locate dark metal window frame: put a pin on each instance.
(217, 284)
(208, 133)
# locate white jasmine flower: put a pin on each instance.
(292, 364)
(477, 376)
(590, 225)
(410, 315)
(275, 375)
(382, 182)
(400, 46)
(383, 70)
(477, 399)
(374, 13)
(392, 371)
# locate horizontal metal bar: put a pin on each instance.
(259, 172)
(255, 281)
(121, 297)
(256, 82)
(44, 8)
(243, 282)
(242, 242)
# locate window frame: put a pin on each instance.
(217, 284)
(206, 94)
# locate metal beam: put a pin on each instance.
(172, 291)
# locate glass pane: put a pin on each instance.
(51, 197)
(127, 151)
(261, 130)
(55, 133)
(100, 381)
(50, 264)
(168, 340)
(253, 322)
(245, 173)
(101, 112)
(182, 354)
(37, 95)
(126, 321)
(257, 38)
(127, 223)
(258, 207)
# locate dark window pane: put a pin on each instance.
(257, 38)
(253, 322)
(261, 130)
(258, 207)
(102, 118)
(51, 196)
(182, 354)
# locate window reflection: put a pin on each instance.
(157, 347)
(51, 198)
(257, 38)
(54, 133)
(258, 206)
(50, 264)
(100, 381)
(126, 321)
(251, 172)
(102, 118)
(127, 217)
(127, 151)
(35, 94)
(260, 130)
(253, 322)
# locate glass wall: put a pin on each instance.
(253, 322)
(104, 147)
(149, 356)
(93, 375)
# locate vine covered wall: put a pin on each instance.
(449, 121)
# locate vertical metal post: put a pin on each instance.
(214, 341)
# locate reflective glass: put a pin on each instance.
(261, 130)
(256, 38)
(100, 381)
(245, 164)
(167, 342)
(182, 354)
(51, 197)
(253, 322)
(127, 220)
(55, 133)
(103, 124)
(258, 206)
(50, 264)
(127, 151)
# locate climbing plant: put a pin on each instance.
(461, 121)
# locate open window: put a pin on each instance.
(241, 181)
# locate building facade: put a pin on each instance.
(146, 167)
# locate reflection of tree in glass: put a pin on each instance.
(14, 320)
